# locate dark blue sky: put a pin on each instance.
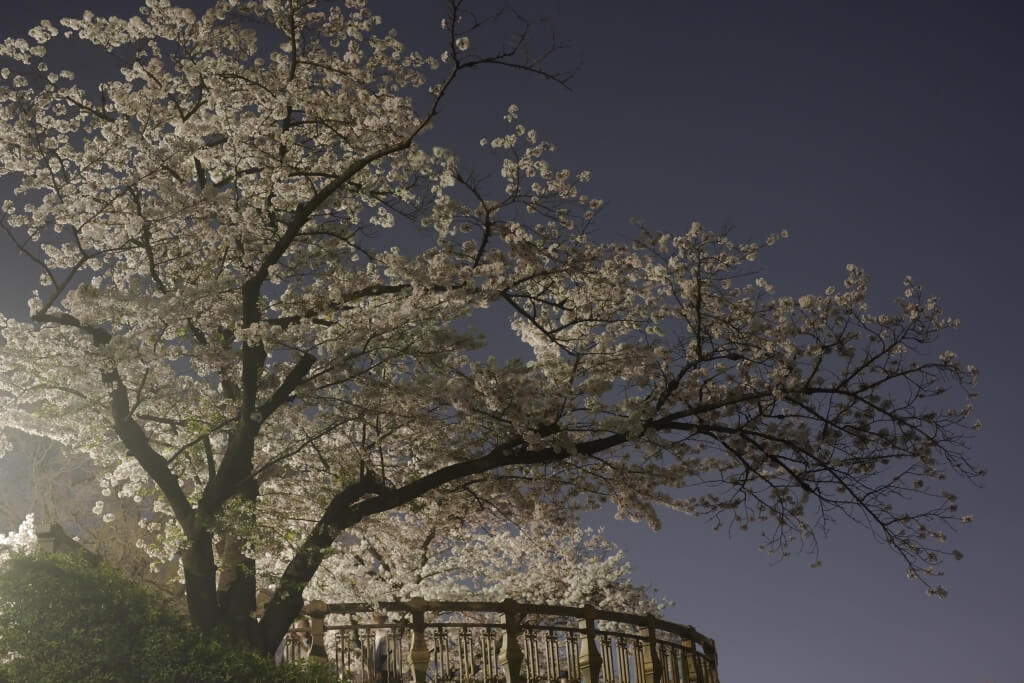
(886, 134)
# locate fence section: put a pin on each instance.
(508, 642)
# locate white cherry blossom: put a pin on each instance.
(227, 316)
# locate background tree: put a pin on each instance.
(233, 314)
(40, 479)
(435, 554)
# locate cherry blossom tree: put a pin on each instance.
(230, 316)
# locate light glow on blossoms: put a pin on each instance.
(22, 540)
(433, 555)
(226, 319)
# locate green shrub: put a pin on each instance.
(63, 619)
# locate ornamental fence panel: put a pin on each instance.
(419, 641)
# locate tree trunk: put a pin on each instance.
(201, 581)
(236, 595)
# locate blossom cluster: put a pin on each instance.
(22, 540)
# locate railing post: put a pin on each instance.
(590, 656)
(419, 656)
(653, 669)
(711, 654)
(46, 542)
(56, 540)
(511, 653)
(317, 611)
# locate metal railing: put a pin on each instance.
(420, 641)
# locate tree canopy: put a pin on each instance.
(233, 315)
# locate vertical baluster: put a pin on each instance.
(479, 653)
(440, 655)
(552, 662)
(350, 648)
(366, 649)
(340, 659)
(652, 664)
(638, 661)
(498, 654)
(666, 655)
(435, 654)
(572, 656)
(712, 655)
(487, 652)
(396, 663)
(465, 656)
(543, 666)
(358, 658)
(446, 637)
(530, 653)
(608, 668)
(622, 653)
(690, 661)
(701, 669)
(669, 663)
(340, 650)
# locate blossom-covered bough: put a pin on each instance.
(230, 316)
(437, 555)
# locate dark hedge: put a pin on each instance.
(64, 619)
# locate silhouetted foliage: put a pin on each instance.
(65, 619)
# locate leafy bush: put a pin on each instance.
(63, 619)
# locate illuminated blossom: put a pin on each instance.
(226, 317)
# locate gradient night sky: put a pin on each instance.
(886, 134)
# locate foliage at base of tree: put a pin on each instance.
(64, 619)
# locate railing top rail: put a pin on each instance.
(512, 607)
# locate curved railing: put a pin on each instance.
(421, 641)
